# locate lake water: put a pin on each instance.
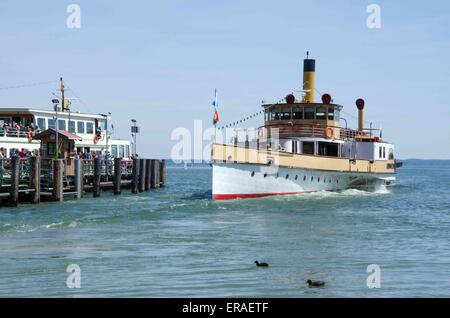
(176, 242)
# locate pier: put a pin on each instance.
(37, 179)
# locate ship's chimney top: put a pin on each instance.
(309, 72)
(360, 105)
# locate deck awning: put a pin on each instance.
(64, 134)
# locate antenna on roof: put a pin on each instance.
(307, 54)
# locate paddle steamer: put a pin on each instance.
(301, 148)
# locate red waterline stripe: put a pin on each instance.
(255, 195)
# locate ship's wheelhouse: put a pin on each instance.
(277, 113)
(302, 119)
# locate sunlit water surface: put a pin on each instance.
(176, 242)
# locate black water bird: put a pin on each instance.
(261, 264)
(315, 283)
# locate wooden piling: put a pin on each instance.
(157, 179)
(152, 172)
(141, 182)
(148, 174)
(58, 166)
(78, 178)
(162, 173)
(97, 177)
(35, 179)
(117, 175)
(135, 177)
(15, 173)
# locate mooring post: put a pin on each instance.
(117, 175)
(157, 179)
(162, 173)
(135, 179)
(148, 174)
(15, 173)
(152, 172)
(141, 182)
(58, 166)
(97, 177)
(79, 178)
(35, 179)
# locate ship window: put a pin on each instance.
(309, 112)
(5, 120)
(318, 179)
(267, 115)
(297, 113)
(51, 124)
(287, 176)
(312, 178)
(337, 114)
(304, 178)
(384, 152)
(72, 126)
(391, 154)
(121, 151)
(321, 113)
(80, 127)
(61, 124)
(296, 177)
(276, 115)
(114, 151)
(330, 113)
(285, 116)
(379, 152)
(127, 151)
(308, 147)
(286, 113)
(41, 123)
(102, 124)
(273, 115)
(328, 149)
(89, 128)
(253, 173)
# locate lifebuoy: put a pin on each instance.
(30, 135)
(96, 139)
(329, 132)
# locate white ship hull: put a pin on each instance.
(234, 180)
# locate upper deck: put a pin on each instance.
(321, 120)
(19, 125)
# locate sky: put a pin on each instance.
(160, 61)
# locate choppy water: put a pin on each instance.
(177, 242)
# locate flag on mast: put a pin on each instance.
(215, 103)
(216, 117)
